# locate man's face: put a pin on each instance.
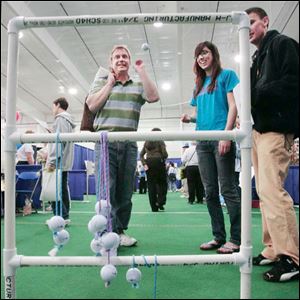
(258, 28)
(120, 61)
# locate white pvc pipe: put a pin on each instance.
(9, 250)
(127, 19)
(11, 260)
(84, 136)
(127, 260)
(245, 145)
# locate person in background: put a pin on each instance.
(155, 166)
(116, 100)
(184, 185)
(216, 110)
(275, 112)
(172, 177)
(25, 154)
(142, 180)
(63, 123)
(195, 186)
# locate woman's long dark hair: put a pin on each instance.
(200, 73)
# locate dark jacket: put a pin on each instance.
(275, 85)
(153, 149)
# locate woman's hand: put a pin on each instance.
(185, 118)
(224, 147)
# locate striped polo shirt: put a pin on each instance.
(121, 111)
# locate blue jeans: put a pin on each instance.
(214, 168)
(122, 166)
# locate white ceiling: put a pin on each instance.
(69, 56)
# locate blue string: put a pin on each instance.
(146, 263)
(56, 174)
(155, 278)
(58, 169)
(61, 179)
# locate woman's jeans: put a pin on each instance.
(122, 166)
(214, 168)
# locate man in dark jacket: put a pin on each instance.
(275, 109)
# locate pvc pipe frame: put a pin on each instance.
(244, 258)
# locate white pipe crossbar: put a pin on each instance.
(235, 258)
(235, 135)
(244, 258)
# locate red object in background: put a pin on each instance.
(138, 62)
(18, 116)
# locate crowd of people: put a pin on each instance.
(212, 167)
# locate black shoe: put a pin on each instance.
(284, 270)
(260, 260)
(161, 207)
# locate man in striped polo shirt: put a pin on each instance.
(117, 100)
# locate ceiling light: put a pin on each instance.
(72, 91)
(237, 58)
(166, 86)
(158, 24)
(21, 34)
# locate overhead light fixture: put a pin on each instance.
(21, 34)
(166, 86)
(237, 58)
(72, 91)
(158, 24)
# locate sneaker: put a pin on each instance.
(284, 270)
(260, 260)
(49, 208)
(228, 248)
(126, 240)
(67, 222)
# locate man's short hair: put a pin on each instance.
(120, 47)
(257, 10)
(62, 102)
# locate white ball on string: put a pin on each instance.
(134, 276)
(108, 273)
(61, 237)
(145, 47)
(102, 207)
(56, 223)
(97, 224)
(96, 245)
(110, 240)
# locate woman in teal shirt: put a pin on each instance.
(215, 109)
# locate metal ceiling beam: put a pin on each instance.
(22, 10)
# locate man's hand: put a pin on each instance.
(111, 79)
(139, 66)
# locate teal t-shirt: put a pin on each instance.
(212, 108)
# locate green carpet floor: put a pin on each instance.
(178, 230)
